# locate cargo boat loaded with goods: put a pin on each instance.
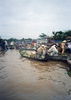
(24, 53)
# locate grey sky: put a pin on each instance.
(29, 18)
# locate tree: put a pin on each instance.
(61, 35)
(42, 35)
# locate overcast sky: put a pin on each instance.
(29, 18)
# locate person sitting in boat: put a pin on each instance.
(53, 50)
(63, 46)
(41, 51)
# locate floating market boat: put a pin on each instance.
(65, 57)
(25, 54)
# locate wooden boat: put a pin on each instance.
(65, 58)
(37, 59)
(29, 57)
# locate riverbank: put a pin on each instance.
(22, 79)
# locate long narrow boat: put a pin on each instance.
(37, 59)
(65, 58)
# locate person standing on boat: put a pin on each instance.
(63, 46)
(53, 50)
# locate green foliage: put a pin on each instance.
(12, 39)
(61, 35)
(42, 35)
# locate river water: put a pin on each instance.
(22, 79)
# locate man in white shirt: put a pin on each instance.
(53, 51)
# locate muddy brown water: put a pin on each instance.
(22, 79)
